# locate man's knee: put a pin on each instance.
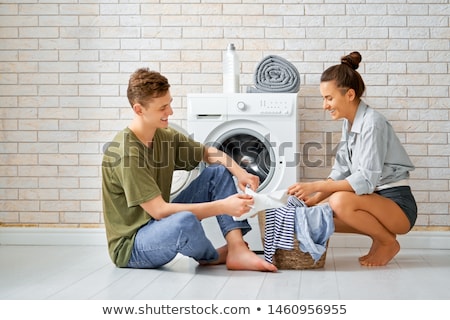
(187, 220)
(219, 173)
(216, 169)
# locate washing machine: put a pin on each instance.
(181, 178)
(258, 130)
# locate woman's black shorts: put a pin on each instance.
(404, 198)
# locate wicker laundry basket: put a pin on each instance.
(291, 259)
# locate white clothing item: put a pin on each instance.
(400, 183)
(264, 201)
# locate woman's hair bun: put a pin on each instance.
(352, 60)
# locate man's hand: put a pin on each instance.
(246, 179)
(237, 204)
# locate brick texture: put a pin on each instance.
(64, 68)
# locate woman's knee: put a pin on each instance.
(340, 203)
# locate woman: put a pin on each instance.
(367, 188)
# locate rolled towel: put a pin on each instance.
(276, 74)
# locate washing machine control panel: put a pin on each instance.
(275, 107)
(262, 104)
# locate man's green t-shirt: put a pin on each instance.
(132, 174)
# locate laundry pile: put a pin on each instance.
(311, 225)
(275, 74)
(287, 217)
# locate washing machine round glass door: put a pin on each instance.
(250, 150)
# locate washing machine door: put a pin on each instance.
(250, 150)
(181, 178)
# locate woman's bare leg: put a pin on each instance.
(341, 227)
(372, 215)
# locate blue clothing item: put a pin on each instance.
(313, 227)
(159, 241)
(370, 154)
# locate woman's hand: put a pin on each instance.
(315, 192)
(302, 190)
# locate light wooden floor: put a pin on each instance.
(85, 272)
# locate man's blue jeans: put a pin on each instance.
(159, 241)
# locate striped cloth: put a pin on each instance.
(280, 228)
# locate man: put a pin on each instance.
(144, 229)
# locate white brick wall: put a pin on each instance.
(65, 66)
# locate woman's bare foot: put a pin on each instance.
(383, 254)
(240, 257)
(372, 249)
(223, 252)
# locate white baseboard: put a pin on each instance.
(411, 240)
(97, 237)
(52, 236)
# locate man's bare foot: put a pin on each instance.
(240, 257)
(383, 254)
(223, 252)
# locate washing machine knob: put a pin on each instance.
(241, 105)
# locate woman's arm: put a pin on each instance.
(314, 192)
